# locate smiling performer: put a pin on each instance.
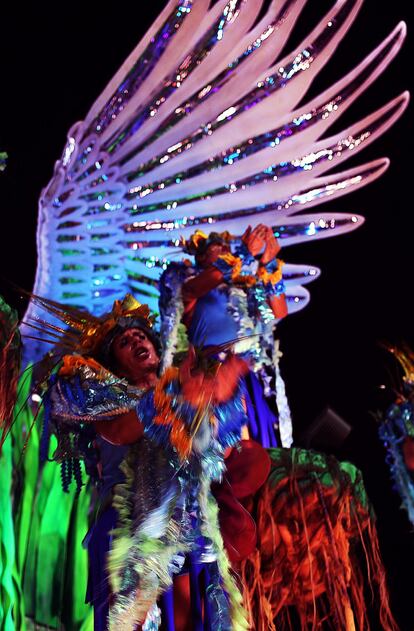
(178, 427)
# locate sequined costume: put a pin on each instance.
(397, 433)
(217, 309)
(167, 482)
(309, 512)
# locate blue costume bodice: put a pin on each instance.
(212, 323)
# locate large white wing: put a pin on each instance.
(201, 127)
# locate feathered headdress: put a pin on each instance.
(81, 338)
(84, 333)
(405, 357)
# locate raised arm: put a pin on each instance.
(125, 429)
(199, 285)
(270, 273)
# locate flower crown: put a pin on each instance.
(199, 241)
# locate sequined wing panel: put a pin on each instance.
(202, 127)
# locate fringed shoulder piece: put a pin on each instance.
(85, 391)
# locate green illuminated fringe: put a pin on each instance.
(46, 564)
(11, 605)
(11, 601)
(211, 530)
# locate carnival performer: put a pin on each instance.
(230, 298)
(157, 453)
(312, 513)
(178, 427)
(397, 430)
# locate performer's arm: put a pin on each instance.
(84, 392)
(278, 305)
(201, 284)
(123, 430)
(276, 298)
(198, 286)
(272, 247)
(220, 271)
(408, 452)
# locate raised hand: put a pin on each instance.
(254, 240)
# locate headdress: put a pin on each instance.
(405, 357)
(86, 334)
(200, 241)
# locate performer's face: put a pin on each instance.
(212, 253)
(134, 354)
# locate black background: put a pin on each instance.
(57, 58)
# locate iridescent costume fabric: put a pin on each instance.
(166, 510)
(222, 314)
(396, 428)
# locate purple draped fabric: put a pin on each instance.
(98, 542)
(261, 419)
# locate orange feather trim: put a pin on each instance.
(72, 363)
(179, 437)
(272, 278)
(236, 263)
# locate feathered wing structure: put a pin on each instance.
(201, 127)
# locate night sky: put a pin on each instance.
(55, 63)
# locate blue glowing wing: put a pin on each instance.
(201, 127)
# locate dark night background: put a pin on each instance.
(57, 59)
